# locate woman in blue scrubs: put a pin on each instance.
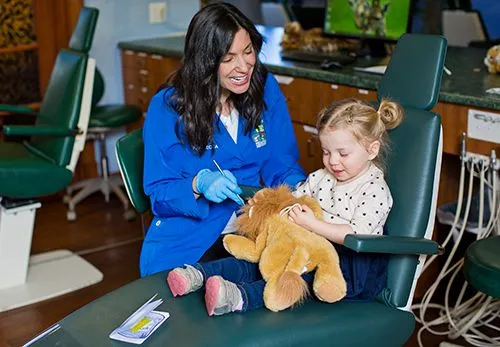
(221, 107)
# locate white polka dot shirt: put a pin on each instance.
(364, 203)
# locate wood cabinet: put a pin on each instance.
(143, 74)
(311, 156)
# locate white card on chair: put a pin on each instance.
(141, 324)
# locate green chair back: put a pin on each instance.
(81, 40)
(414, 77)
(130, 155)
(83, 34)
(99, 86)
(58, 105)
(414, 162)
(61, 105)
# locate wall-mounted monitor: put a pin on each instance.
(371, 19)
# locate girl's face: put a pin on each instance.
(344, 156)
(235, 70)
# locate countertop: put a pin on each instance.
(466, 85)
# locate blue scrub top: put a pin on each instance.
(183, 227)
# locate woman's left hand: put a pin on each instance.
(302, 216)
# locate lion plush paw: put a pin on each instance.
(241, 248)
(330, 290)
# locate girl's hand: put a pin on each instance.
(302, 216)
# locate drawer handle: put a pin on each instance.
(309, 129)
(334, 86)
(144, 90)
(157, 57)
(142, 54)
(363, 91)
(130, 86)
(129, 52)
(144, 72)
(310, 152)
(286, 80)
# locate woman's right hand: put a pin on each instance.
(217, 187)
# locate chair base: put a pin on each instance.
(49, 275)
(90, 186)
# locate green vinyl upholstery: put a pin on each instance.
(110, 116)
(59, 109)
(130, 155)
(104, 119)
(482, 265)
(412, 165)
(38, 167)
(83, 33)
(413, 171)
(413, 82)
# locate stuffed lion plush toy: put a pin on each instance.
(294, 37)
(285, 250)
(492, 59)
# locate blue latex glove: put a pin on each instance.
(216, 187)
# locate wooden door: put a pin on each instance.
(54, 24)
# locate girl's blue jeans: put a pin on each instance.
(245, 275)
(365, 275)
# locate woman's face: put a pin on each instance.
(235, 70)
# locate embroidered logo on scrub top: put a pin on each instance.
(259, 135)
(210, 147)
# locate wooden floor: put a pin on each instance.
(99, 225)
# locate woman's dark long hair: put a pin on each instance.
(196, 83)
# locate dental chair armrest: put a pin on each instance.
(16, 109)
(391, 244)
(38, 130)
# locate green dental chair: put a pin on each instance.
(41, 166)
(413, 175)
(104, 120)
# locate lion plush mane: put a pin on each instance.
(285, 250)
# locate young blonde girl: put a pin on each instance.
(350, 188)
(353, 195)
